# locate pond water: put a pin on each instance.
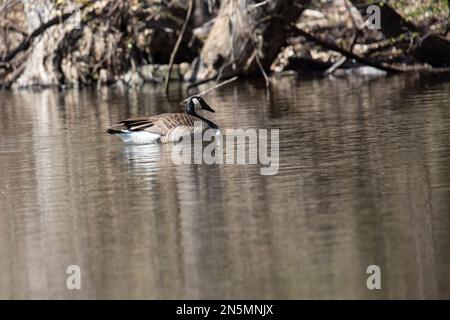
(364, 179)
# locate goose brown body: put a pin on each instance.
(167, 127)
(171, 127)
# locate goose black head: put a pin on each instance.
(192, 101)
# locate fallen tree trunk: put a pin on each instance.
(245, 39)
(331, 46)
(429, 48)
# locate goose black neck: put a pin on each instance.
(211, 124)
(191, 111)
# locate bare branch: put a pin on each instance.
(177, 45)
(212, 88)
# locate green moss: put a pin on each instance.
(420, 10)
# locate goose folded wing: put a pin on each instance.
(167, 123)
(137, 124)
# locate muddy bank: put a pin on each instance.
(73, 43)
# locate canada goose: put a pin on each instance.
(167, 127)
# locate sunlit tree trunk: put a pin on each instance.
(246, 36)
(39, 68)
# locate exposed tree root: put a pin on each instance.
(26, 43)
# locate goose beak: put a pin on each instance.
(205, 106)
